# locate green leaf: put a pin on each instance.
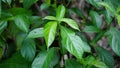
(118, 10)
(99, 64)
(73, 43)
(108, 6)
(91, 29)
(96, 19)
(28, 3)
(113, 4)
(19, 39)
(91, 60)
(16, 61)
(3, 25)
(50, 32)
(114, 37)
(46, 59)
(60, 12)
(105, 56)
(71, 23)
(94, 2)
(44, 6)
(28, 49)
(108, 16)
(73, 64)
(38, 32)
(62, 48)
(36, 21)
(5, 16)
(77, 11)
(84, 45)
(19, 11)
(22, 23)
(7, 1)
(82, 36)
(14, 30)
(50, 18)
(1, 53)
(2, 47)
(118, 19)
(47, 1)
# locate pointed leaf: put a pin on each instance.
(60, 12)
(7, 1)
(73, 64)
(46, 59)
(71, 23)
(3, 25)
(91, 60)
(73, 43)
(22, 23)
(44, 6)
(49, 32)
(114, 37)
(99, 64)
(108, 6)
(28, 49)
(38, 32)
(108, 16)
(118, 19)
(106, 57)
(91, 29)
(96, 19)
(50, 18)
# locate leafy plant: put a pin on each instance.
(46, 34)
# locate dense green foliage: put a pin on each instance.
(42, 33)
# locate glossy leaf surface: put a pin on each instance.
(50, 32)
